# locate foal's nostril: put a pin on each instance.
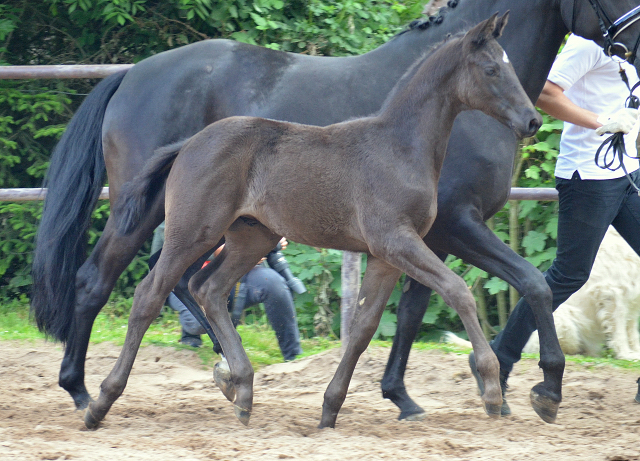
(534, 126)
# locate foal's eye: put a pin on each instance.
(491, 71)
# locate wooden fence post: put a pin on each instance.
(351, 267)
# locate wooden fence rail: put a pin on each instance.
(28, 195)
(517, 193)
(62, 71)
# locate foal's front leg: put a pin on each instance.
(410, 254)
(379, 280)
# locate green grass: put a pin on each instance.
(111, 325)
(258, 339)
(581, 359)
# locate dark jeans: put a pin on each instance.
(264, 285)
(586, 209)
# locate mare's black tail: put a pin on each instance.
(75, 178)
(138, 194)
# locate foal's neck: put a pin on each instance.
(420, 116)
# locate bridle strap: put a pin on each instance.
(615, 28)
(619, 25)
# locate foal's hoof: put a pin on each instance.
(544, 406)
(492, 410)
(242, 414)
(222, 378)
(90, 421)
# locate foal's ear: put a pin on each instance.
(484, 31)
(501, 22)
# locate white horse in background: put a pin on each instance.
(605, 311)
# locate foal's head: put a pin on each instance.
(489, 83)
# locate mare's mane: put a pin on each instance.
(432, 20)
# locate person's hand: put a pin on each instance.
(621, 121)
(284, 242)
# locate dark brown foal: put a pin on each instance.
(368, 185)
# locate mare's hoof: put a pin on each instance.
(242, 414)
(82, 401)
(90, 421)
(83, 404)
(222, 378)
(544, 406)
(637, 399)
(492, 410)
(412, 416)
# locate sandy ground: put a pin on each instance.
(171, 410)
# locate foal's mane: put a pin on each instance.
(411, 71)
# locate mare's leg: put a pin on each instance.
(379, 280)
(411, 309)
(409, 253)
(94, 282)
(247, 242)
(482, 248)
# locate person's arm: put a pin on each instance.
(554, 102)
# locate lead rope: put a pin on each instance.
(615, 143)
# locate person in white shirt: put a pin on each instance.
(586, 91)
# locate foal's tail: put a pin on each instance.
(74, 180)
(138, 194)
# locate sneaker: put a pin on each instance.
(190, 340)
(638, 394)
(504, 375)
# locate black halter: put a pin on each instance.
(611, 47)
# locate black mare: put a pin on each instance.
(174, 94)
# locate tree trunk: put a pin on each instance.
(482, 310)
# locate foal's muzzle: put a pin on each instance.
(530, 123)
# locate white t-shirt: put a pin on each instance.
(591, 80)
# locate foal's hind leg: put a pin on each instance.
(379, 280)
(246, 242)
(149, 297)
(410, 254)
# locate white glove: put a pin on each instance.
(620, 121)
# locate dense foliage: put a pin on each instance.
(33, 114)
